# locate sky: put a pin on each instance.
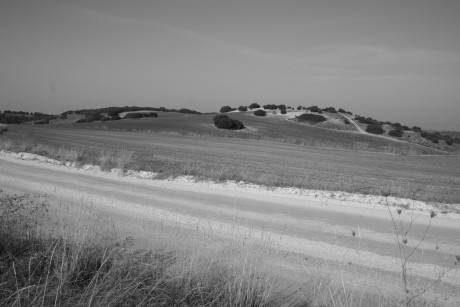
(396, 60)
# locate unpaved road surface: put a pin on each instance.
(346, 243)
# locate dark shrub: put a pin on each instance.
(116, 117)
(330, 110)
(447, 142)
(260, 113)
(415, 128)
(299, 108)
(104, 119)
(93, 117)
(396, 133)
(254, 106)
(283, 111)
(150, 114)
(311, 118)
(346, 121)
(281, 107)
(270, 106)
(313, 109)
(225, 109)
(133, 115)
(224, 122)
(112, 113)
(374, 129)
(81, 121)
(242, 108)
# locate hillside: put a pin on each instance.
(332, 129)
(275, 127)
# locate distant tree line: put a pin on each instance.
(20, 117)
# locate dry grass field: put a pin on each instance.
(428, 178)
(272, 128)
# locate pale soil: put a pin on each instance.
(305, 230)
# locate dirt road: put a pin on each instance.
(353, 244)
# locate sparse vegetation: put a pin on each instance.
(406, 252)
(40, 269)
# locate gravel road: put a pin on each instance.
(346, 243)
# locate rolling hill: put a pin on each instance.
(271, 127)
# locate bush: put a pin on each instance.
(281, 107)
(133, 115)
(346, 121)
(311, 118)
(330, 110)
(418, 129)
(260, 113)
(224, 122)
(313, 109)
(242, 108)
(254, 106)
(396, 133)
(225, 109)
(299, 108)
(270, 107)
(116, 117)
(283, 111)
(374, 129)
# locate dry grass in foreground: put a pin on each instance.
(41, 268)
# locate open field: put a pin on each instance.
(271, 127)
(427, 178)
(326, 252)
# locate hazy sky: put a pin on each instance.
(395, 60)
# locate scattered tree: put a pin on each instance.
(222, 121)
(260, 113)
(311, 118)
(225, 109)
(374, 129)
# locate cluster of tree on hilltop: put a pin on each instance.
(112, 111)
(397, 130)
(20, 117)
